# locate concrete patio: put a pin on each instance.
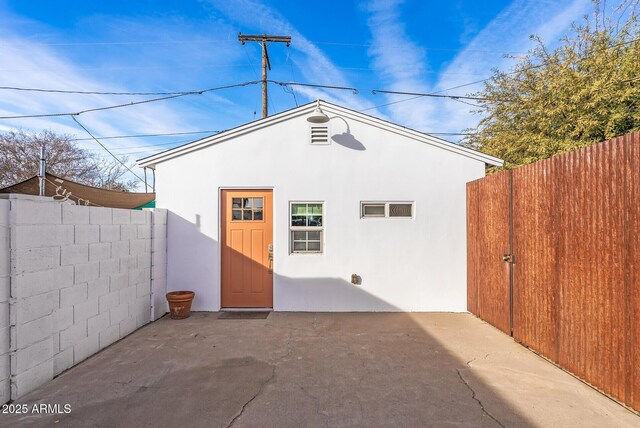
(320, 369)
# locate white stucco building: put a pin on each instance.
(283, 213)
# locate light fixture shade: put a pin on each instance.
(318, 115)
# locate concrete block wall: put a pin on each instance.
(5, 372)
(80, 279)
(159, 263)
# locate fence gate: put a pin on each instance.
(489, 244)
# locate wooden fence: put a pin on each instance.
(554, 260)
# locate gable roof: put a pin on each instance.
(93, 196)
(303, 110)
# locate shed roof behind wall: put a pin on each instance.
(304, 110)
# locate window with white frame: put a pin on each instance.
(386, 209)
(306, 224)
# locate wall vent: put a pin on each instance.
(319, 134)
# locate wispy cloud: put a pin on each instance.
(313, 64)
(403, 69)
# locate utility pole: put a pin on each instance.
(263, 39)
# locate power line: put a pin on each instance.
(104, 147)
(65, 91)
(131, 103)
(168, 134)
(417, 94)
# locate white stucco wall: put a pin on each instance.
(414, 264)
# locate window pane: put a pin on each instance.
(300, 246)
(313, 246)
(236, 203)
(246, 202)
(400, 210)
(314, 235)
(236, 215)
(298, 220)
(314, 209)
(257, 202)
(299, 236)
(257, 215)
(373, 210)
(315, 221)
(246, 214)
(298, 209)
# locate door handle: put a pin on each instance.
(509, 258)
(270, 257)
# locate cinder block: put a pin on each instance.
(34, 307)
(119, 281)
(140, 306)
(110, 335)
(30, 284)
(127, 295)
(29, 380)
(142, 319)
(74, 254)
(73, 335)
(99, 215)
(119, 249)
(108, 301)
(128, 231)
(99, 251)
(143, 289)
(86, 272)
(63, 319)
(138, 246)
(98, 288)
(144, 261)
(159, 231)
(159, 271)
(87, 233)
(35, 212)
(38, 235)
(85, 310)
(158, 258)
(127, 326)
(128, 263)
(109, 267)
(159, 216)
(144, 231)
(98, 323)
(159, 245)
(138, 217)
(109, 232)
(31, 356)
(5, 338)
(75, 214)
(119, 313)
(121, 216)
(33, 331)
(62, 361)
(55, 337)
(5, 254)
(34, 260)
(5, 289)
(5, 390)
(85, 348)
(73, 295)
(136, 276)
(4, 316)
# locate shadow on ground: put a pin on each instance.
(321, 369)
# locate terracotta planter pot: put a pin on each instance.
(180, 304)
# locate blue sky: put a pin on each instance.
(144, 45)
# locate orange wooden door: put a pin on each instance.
(247, 244)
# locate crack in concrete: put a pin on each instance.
(473, 396)
(245, 405)
(478, 358)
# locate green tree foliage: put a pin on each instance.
(585, 91)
